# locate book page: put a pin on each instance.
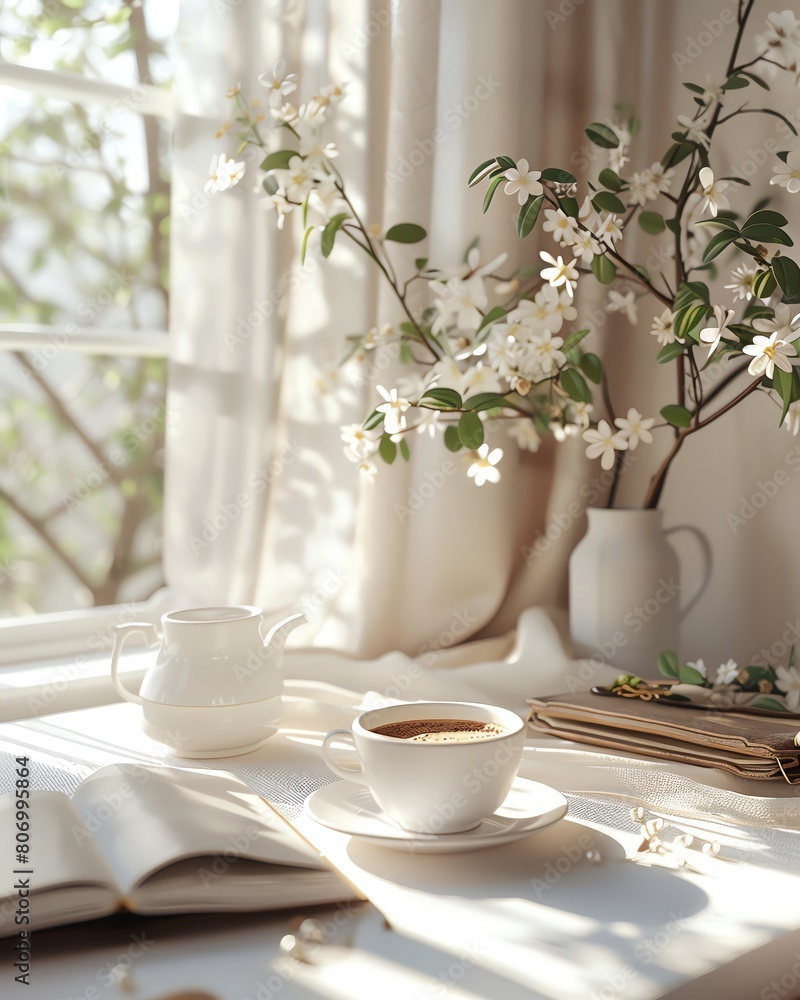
(145, 819)
(70, 880)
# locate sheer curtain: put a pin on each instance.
(262, 505)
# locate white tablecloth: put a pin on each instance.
(533, 919)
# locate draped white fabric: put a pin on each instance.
(262, 505)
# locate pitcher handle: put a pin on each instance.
(121, 633)
(705, 576)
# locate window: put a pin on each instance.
(84, 286)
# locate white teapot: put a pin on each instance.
(215, 688)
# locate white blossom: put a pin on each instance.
(522, 181)
(604, 443)
(783, 322)
(699, 666)
(636, 428)
(223, 174)
(769, 353)
(394, 409)
(279, 83)
(742, 282)
(560, 273)
(726, 672)
(360, 443)
(788, 174)
(792, 419)
(563, 227)
(789, 681)
(712, 335)
(714, 197)
(483, 468)
(626, 304)
(523, 431)
(663, 328)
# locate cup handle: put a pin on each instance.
(705, 575)
(121, 633)
(349, 774)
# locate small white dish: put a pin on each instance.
(349, 808)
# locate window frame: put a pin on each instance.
(26, 640)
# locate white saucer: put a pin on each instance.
(349, 808)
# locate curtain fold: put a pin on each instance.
(262, 505)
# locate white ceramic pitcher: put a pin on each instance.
(215, 687)
(627, 598)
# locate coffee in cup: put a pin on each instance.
(441, 730)
(432, 767)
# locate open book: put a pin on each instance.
(157, 840)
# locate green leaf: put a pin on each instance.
(507, 162)
(446, 397)
(451, 439)
(487, 200)
(777, 114)
(652, 222)
(470, 430)
(592, 368)
(304, 244)
(574, 384)
(330, 231)
(528, 215)
(420, 263)
(557, 176)
(766, 217)
(735, 83)
(405, 451)
(688, 675)
(279, 160)
(494, 314)
(270, 184)
(668, 663)
(761, 233)
(405, 232)
(676, 415)
(602, 135)
(610, 179)
(574, 339)
(784, 384)
(479, 172)
(484, 401)
(387, 449)
(787, 274)
(603, 269)
(695, 88)
(677, 152)
(720, 221)
(605, 201)
(375, 419)
(754, 78)
(764, 284)
(719, 243)
(688, 318)
(669, 352)
(768, 704)
(570, 207)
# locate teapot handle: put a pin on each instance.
(121, 633)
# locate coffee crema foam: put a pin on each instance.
(441, 730)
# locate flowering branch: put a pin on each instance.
(499, 347)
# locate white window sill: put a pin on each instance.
(60, 662)
(61, 684)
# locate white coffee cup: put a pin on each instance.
(432, 787)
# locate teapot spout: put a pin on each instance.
(277, 635)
